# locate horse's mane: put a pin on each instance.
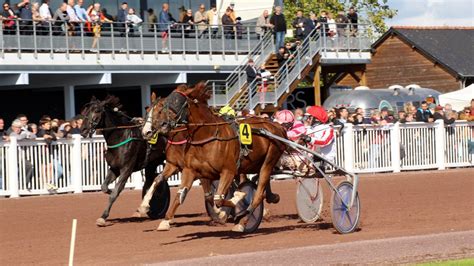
(112, 101)
(182, 88)
(200, 92)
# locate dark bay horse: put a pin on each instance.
(214, 150)
(127, 150)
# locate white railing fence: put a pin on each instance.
(30, 167)
(77, 165)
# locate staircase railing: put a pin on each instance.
(238, 78)
(287, 74)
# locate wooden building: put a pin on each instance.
(441, 58)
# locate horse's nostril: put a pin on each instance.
(148, 134)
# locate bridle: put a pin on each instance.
(95, 122)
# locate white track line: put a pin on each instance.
(407, 249)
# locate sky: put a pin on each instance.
(432, 12)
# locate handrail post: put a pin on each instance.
(348, 140)
(248, 39)
(51, 39)
(18, 37)
(35, 45)
(236, 45)
(2, 47)
(214, 94)
(155, 38)
(210, 41)
(83, 53)
(67, 39)
(112, 39)
(76, 168)
(169, 41)
(196, 33)
(127, 41)
(395, 147)
(223, 42)
(183, 41)
(140, 28)
(12, 161)
(440, 143)
(298, 57)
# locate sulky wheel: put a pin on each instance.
(255, 218)
(160, 201)
(209, 206)
(309, 199)
(345, 221)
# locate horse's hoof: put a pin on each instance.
(100, 222)
(143, 210)
(238, 228)
(273, 198)
(266, 214)
(222, 217)
(238, 196)
(164, 226)
(137, 214)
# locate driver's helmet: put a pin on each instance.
(284, 117)
(318, 113)
(227, 110)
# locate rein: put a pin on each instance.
(122, 143)
(118, 127)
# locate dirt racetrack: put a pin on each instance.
(36, 230)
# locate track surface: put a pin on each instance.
(36, 230)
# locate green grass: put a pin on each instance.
(463, 262)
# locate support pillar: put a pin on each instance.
(317, 85)
(145, 91)
(69, 102)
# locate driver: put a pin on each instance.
(319, 136)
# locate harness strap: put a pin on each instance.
(213, 138)
(177, 142)
(119, 127)
(121, 143)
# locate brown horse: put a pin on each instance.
(214, 150)
(174, 151)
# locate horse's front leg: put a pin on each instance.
(109, 178)
(163, 176)
(225, 182)
(187, 179)
(119, 186)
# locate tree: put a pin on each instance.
(373, 12)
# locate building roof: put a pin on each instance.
(451, 47)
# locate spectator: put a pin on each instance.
(332, 26)
(311, 23)
(341, 21)
(228, 24)
(384, 115)
(152, 20)
(352, 17)
(323, 23)
(466, 114)
(188, 23)
(73, 22)
(232, 14)
(251, 72)
(81, 12)
(299, 113)
(60, 19)
(3, 132)
(341, 116)
(24, 11)
(21, 134)
(35, 14)
(299, 23)
(358, 119)
(134, 22)
(8, 17)
(239, 28)
(423, 114)
(52, 168)
(440, 115)
(401, 115)
(213, 20)
(282, 56)
(122, 18)
(408, 118)
(279, 26)
(33, 128)
(200, 19)
(166, 20)
(263, 24)
(97, 18)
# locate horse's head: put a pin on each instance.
(94, 113)
(172, 111)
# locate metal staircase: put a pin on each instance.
(287, 77)
(232, 90)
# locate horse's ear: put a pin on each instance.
(153, 97)
(93, 98)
